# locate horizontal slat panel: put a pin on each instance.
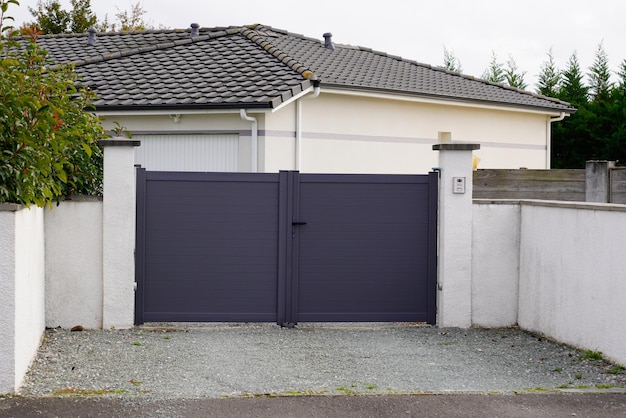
(211, 248)
(566, 185)
(188, 152)
(618, 185)
(363, 252)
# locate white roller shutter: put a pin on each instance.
(188, 152)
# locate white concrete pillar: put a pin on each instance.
(454, 304)
(118, 233)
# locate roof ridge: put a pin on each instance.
(148, 48)
(125, 32)
(250, 32)
(98, 33)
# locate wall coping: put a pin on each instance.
(11, 207)
(81, 198)
(119, 142)
(456, 146)
(607, 207)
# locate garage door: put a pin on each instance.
(188, 152)
(285, 247)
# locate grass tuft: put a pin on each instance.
(591, 355)
(87, 392)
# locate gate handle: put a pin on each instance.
(298, 223)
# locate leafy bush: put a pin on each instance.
(48, 136)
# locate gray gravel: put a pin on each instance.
(176, 361)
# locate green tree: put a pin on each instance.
(549, 78)
(572, 88)
(49, 140)
(451, 62)
(607, 113)
(600, 75)
(50, 17)
(82, 17)
(572, 142)
(495, 72)
(513, 76)
(132, 20)
(617, 147)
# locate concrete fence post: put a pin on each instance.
(454, 284)
(598, 181)
(118, 233)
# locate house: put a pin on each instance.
(256, 98)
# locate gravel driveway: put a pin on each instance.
(190, 361)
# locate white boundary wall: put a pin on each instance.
(573, 275)
(22, 278)
(495, 264)
(74, 264)
(555, 268)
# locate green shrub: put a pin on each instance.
(48, 136)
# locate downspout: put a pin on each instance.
(255, 139)
(549, 135)
(316, 92)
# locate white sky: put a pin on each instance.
(415, 29)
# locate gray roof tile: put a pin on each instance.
(255, 66)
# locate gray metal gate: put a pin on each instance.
(285, 247)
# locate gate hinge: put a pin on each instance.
(135, 286)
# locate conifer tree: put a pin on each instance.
(549, 78)
(495, 72)
(513, 76)
(451, 62)
(600, 75)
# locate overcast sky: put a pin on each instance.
(415, 29)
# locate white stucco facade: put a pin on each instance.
(346, 132)
(394, 136)
(74, 264)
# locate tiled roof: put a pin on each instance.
(255, 67)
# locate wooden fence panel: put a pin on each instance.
(618, 185)
(566, 185)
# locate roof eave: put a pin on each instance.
(455, 99)
(183, 107)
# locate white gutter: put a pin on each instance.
(298, 156)
(558, 118)
(549, 137)
(181, 112)
(292, 99)
(255, 140)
